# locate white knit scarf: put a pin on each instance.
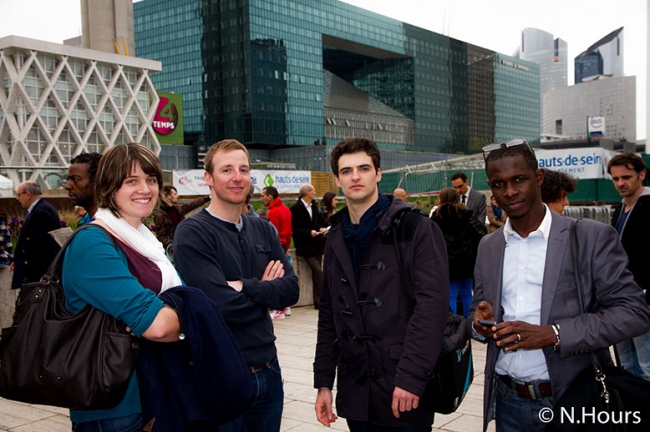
(144, 242)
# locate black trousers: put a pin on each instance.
(314, 263)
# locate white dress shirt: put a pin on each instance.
(308, 207)
(524, 261)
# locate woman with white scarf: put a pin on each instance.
(123, 275)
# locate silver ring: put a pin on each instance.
(518, 337)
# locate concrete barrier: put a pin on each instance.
(304, 279)
(7, 298)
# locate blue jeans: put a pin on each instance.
(359, 426)
(132, 423)
(516, 414)
(465, 287)
(266, 412)
(635, 355)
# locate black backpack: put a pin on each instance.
(454, 370)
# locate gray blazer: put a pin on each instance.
(477, 204)
(617, 308)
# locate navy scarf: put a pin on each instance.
(356, 236)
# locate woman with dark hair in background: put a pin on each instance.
(555, 189)
(462, 232)
(328, 206)
(122, 280)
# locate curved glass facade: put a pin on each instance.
(256, 71)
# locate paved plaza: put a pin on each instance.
(296, 343)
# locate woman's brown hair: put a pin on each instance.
(116, 165)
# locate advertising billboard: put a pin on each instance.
(191, 182)
(168, 121)
(582, 163)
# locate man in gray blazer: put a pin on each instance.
(473, 199)
(525, 283)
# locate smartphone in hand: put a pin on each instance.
(487, 323)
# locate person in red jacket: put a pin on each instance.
(279, 215)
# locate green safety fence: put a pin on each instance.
(588, 192)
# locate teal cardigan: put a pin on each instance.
(96, 273)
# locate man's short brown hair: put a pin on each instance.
(355, 145)
(116, 165)
(628, 160)
(225, 145)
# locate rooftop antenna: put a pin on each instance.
(444, 22)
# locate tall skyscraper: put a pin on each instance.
(550, 54)
(605, 57)
(539, 46)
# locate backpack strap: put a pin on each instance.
(410, 222)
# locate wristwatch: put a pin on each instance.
(556, 330)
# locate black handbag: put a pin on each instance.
(605, 398)
(54, 357)
(454, 370)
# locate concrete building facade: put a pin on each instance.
(57, 101)
(566, 109)
(107, 26)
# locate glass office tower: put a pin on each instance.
(539, 46)
(605, 57)
(286, 73)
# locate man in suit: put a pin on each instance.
(631, 221)
(36, 248)
(525, 282)
(473, 199)
(307, 226)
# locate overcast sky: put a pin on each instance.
(492, 24)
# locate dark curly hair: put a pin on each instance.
(92, 159)
(506, 152)
(555, 184)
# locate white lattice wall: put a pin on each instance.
(58, 101)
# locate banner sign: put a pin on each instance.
(583, 163)
(168, 120)
(286, 182)
(595, 126)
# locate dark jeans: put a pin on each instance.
(314, 263)
(266, 412)
(465, 288)
(359, 426)
(515, 414)
(131, 423)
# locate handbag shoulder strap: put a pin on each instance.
(573, 233)
(54, 271)
(576, 266)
